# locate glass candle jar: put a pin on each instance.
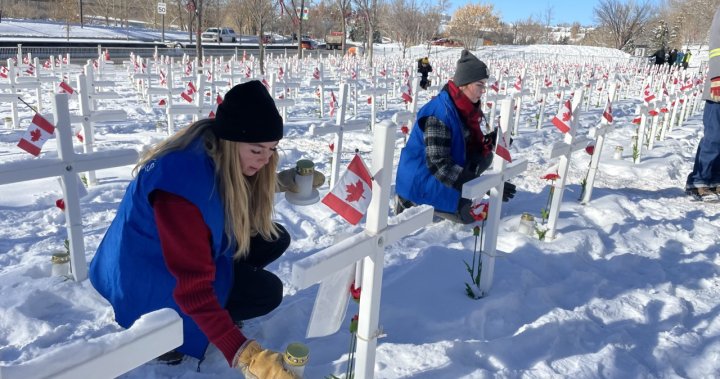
(295, 358)
(527, 224)
(60, 263)
(618, 152)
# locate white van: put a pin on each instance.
(219, 35)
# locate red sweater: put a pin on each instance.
(184, 238)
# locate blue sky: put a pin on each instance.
(562, 10)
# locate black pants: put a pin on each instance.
(257, 291)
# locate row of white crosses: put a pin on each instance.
(67, 166)
(563, 150)
(116, 353)
(335, 265)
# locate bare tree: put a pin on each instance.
(294, 11)
(691, 19)
(402, 20)
(261, 14)
(547, 18)
(623, 19)
(471, 22)
(368, 11)
(525, 32)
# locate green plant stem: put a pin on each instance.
(479, 266)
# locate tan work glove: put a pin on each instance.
(257, 363)
(715, 89)
(286, 180)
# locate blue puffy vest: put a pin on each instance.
(128, 268)
(414, 181)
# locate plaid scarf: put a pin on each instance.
(471, 114)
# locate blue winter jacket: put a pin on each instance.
(128, 268)
(414, 181)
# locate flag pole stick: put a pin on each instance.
(28, 105)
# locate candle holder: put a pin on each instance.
(618, 152)
(60, 263)
(304, 175)
(296, 357)
(527, 224)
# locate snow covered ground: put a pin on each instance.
(628, 289)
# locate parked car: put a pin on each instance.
(219, 35)
(309, 44)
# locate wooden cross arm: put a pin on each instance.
(329, 128)
(373, 91)
(101, 116)
(402, 117)
(479, 186)
(563, 148)
(600, 130)
(36, 169)
(112, 354)
(315, 268)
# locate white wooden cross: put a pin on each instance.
(109, 355)
(66, 166)
(599, 134)
(321, 83)
(368, 246)
(373, 94)
(87, 117)
(13, 84)
(639, 140)
(338, 128)
(563, 150)
(494, 181)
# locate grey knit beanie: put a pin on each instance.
(469, 69)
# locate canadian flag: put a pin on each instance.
(607, 113)
(562, 119)
(333, 103)
(501, 147)
(281, 72)
(213, 111)
(247, 71)
(648, 94)
(495, 87)
(47, 64)
(353, 74)
(191, 88)
(37, 133)
(406, 93)
(189, 91)
(107, 55)
(548, 82)
(351, 195)
(316, 73)
(65, 88)
(3, 72)
(518, 83)
(383, 72)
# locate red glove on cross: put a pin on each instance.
(715, 89)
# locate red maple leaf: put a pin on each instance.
(35, 135)
(566, 116)
(355, 191)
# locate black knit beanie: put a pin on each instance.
(469, 69)
(248, 114)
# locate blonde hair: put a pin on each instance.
(247, 201)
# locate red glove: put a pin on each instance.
(715, 89)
